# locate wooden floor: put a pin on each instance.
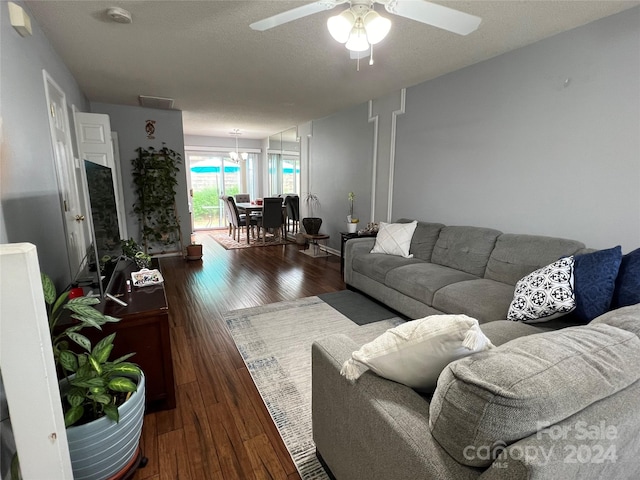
(220, 428)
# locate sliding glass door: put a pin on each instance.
(214, 174)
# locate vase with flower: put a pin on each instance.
(352, 220)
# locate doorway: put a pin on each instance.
(67, 175)
(212, 174)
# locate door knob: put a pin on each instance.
(79, 218)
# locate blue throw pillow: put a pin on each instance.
(627, 290)
(595, 281)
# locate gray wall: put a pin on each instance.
(507, 143)
(130, 124)
(339, 163)
(30, 204)
(542, 140)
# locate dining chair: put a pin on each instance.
(292, 204)
(227, 213)
(242, 198)
(271, 218)
(239, 220)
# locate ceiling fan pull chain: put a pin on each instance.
(371, 55)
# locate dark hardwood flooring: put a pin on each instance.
(220, 428)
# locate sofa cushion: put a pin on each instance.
(484, 299)
(424, 238)
(503, 331)
(422, 280)
(414, 353)
(395, 238)
(497, 397)
(627, 291)
(465, 248)
(626, 318)
(594, 282)
(544, 294)
(515, 256)
(377, 265)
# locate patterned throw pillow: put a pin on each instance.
(395, 238)
(544, 294)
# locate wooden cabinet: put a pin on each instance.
(144, 329)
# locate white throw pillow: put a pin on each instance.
(395, 238)
(416, 352)
(544, 294)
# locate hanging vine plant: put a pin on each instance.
(155, 180)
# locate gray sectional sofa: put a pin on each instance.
(546, 403)
(454, 269)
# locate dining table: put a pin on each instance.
(250, 207)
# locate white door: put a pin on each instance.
(67, 174)
(96, 143)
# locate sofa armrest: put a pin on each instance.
(353, 247)
(373, 428)
(600, 441)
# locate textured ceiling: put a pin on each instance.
(223, 75)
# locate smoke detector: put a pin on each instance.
(119, 15)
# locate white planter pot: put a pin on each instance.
(352, 227)
(102, 448)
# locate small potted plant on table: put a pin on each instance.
(352, 221)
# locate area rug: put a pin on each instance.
(223, 238)
(275, 343)
(357, 307)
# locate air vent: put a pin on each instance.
(156, 102)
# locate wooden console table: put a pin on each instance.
(144, 329)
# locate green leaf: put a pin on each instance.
(102, 398)
(126, 368)
(73, 415)
(76, 396)
(87, 321)
(124, 357)
(81, 340)
(103, 348)
(88, 382)
(68, 360)
(95, 364)
(48, 288)
(97, 390)
(112, 412)
(122, 384)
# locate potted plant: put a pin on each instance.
(352, 221)
(102, 400)
(132, 250)
(155, 181)
(194, 251)
(312, 224)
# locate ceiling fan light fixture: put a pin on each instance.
(377, 27)
(340, 26)
(357, 40)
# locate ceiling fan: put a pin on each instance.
(360, 26)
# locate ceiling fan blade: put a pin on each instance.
(294, 14)
(437, 15)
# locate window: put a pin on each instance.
(214, 174)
